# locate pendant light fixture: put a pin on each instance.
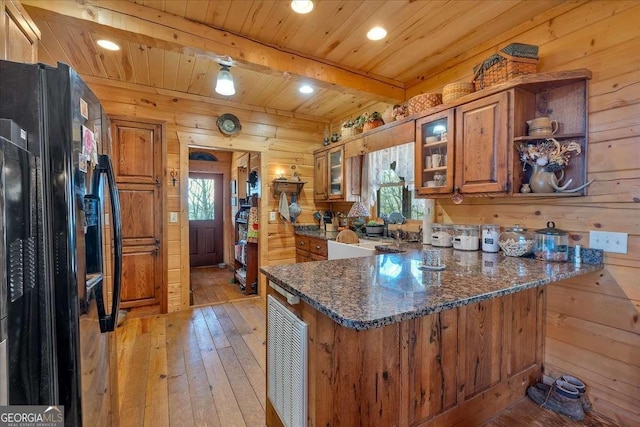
(224, 82)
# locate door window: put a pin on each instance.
(201, 199)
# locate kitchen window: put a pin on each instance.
(388, 181)
(393, 195)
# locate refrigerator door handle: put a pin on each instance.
(109, 321)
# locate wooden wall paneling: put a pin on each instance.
(544, 30)
(620, 313)
(606, 340)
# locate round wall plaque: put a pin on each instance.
(229, 124)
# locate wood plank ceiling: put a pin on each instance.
(175, 45)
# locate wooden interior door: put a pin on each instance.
(206, 236)
(137, 161)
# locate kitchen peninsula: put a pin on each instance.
(391, 344)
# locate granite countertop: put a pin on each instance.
(375, 291)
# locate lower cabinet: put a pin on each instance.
(310, 249)
(456, 367)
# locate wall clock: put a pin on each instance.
(229, 124)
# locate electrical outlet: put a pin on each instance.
(272, 216)
(173, 216)
(609, 241)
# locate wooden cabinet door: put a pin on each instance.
(435, 137)
(18, 34)
(137, 161)
(335, 175)
(353, 173)
(482, 145)
(320, 188)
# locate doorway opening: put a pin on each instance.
(211, 230)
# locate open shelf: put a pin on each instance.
(542, 138)
(438, 169)
(435, 144)
(281, 185)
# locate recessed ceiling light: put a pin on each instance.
(302, 6)
(108, 44)
(306, 89)
(377, 33)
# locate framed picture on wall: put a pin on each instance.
(234, 187)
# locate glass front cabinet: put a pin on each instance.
(435, 153)
(336, 173)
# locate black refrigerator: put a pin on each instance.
(60, 341)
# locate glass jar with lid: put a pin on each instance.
(442, 235)
(516, 241)
(466, 237)
(551, 244)
(490, 236)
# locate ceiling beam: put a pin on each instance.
(161, 29)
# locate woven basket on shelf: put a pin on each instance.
(501, 68)
(423, 102)
(345, 132)
(453, 91)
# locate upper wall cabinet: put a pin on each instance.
(338, 168)
(482, 134)
(335, 158)
(18, 34)
(473, 145)
(320, 181)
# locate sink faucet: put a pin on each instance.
(398, 237)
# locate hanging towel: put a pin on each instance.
(252, 229)
(283, 207)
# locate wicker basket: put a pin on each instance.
(453, 91)
(501, 68)
(345, 132)
(423, 102)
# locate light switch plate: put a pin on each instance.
(609, 241)
(272, 216)
(173, 216)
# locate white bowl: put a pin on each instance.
(432, 183)
(433, 139)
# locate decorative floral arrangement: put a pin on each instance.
(551, 153)
(374, 117)
(357, 122)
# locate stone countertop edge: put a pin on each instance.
(347, 304)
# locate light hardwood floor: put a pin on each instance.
(212, 285)
(201, 367)
(206, 367)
